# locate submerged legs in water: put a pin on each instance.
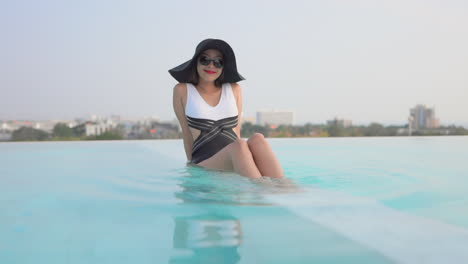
(253, 158)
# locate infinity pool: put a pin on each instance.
(345, 200)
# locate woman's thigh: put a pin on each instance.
(219, 161)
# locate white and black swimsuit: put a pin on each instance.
(215, 123)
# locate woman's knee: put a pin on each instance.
(256, 139)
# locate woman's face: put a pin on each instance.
(209, 72)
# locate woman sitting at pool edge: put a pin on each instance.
(208, 104)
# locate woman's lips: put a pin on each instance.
(210, 72)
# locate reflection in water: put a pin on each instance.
(208, 186)
(214, 187)
(206, 239)
(214, 235)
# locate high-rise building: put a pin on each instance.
(340, 122)
(275, 118)
(423, 117)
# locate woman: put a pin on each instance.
(208, 103)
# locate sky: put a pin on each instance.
(365, 60)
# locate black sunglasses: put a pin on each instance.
(217, 62)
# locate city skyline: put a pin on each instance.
(365, 61)
(247, 117)
(421, 122)
(285, 117)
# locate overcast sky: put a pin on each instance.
(368, 61)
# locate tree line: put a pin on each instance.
(336, 130)
(62, 132)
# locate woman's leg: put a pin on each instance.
(234, 157)
(264, 158)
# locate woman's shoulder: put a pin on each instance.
(180, 89)
(236, 88)
(180, 86)
(235, 85)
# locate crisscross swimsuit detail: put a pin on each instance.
(215, 123)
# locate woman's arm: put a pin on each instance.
(178, 99)
(238, 94)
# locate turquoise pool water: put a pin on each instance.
(349, 200)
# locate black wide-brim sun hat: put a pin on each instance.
(182, 73)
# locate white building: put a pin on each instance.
(12, 125)
(5, 131)
(5, 126)
(275, 117)
(96, 129)
(48, 126)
